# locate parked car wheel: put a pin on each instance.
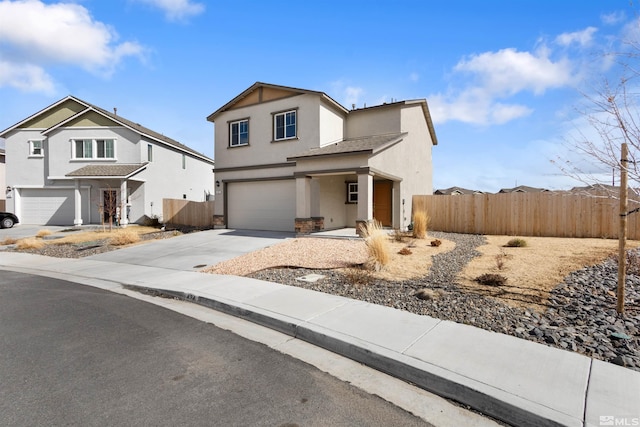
(7, 219)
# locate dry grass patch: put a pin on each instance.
(91, 236)
(377, 242)
(43, 233)
(534, 270)
(30, 243)
(8, 241)
(123, 237)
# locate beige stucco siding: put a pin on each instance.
(332, 126)
(261, 149)
(333, 207)
(411, 159)
(376, 121)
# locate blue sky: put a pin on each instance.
(502, 78)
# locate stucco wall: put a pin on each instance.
(262, 149)
(373, 121)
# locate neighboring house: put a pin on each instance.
(523, 189)
(3, 182)
(455, 191)
(74, 163)
(292, 159)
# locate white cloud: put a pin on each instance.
(176, 10)
(35, 34)
(496, 77)
(25, 77)
(581, 38)
(509, 71)
(613, 18)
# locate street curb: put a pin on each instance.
(428, 377)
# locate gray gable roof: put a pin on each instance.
(361, 145)
(108, 171)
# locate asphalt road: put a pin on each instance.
(76, 355)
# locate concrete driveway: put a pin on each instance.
(193, 251)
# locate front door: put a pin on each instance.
(382, 202)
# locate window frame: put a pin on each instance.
(91, 146)
(285, 126)
(352, 190)
(32, 148)
(239, 124)
(150, 153)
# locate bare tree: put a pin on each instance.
(611, 111)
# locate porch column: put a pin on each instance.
(365, 201)
(77, 199)
(303, 221)
(123, 203)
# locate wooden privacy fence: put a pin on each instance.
(186, 212)
(548, 214)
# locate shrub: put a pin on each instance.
(516, 243)
(358, 276)
(398, 236)
(405, 251)
(491, 279)
(43, 233)
(124, 237)
(501, 258)
(377, 242)
(30, 243)
(420, 223)
(436, 243)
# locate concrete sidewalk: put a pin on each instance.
(514, 380)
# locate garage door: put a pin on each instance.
(262, 205)
(50, 207)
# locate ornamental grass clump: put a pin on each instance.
(420, 223)
(44, 232)
(30, 243)
(377, 242)
(124, 237)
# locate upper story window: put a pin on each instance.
(239, 133)
(285, 125)
(36, 148)
(184, 161)
(94, 148)
(149, 153)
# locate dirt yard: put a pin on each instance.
(531, 271)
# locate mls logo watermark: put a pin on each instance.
(610, 420)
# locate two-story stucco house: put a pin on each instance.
(292, 159)
(73, 163)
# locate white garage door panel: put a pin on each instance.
(49, 207)
(262, 205)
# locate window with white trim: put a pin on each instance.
(352, 192)
(93, 149)
(285, 125)
(149, 153)
(36, 148)
(239, 133)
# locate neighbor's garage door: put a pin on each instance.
(50, 207)
(262, 205)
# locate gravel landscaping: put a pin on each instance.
(580, 315)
